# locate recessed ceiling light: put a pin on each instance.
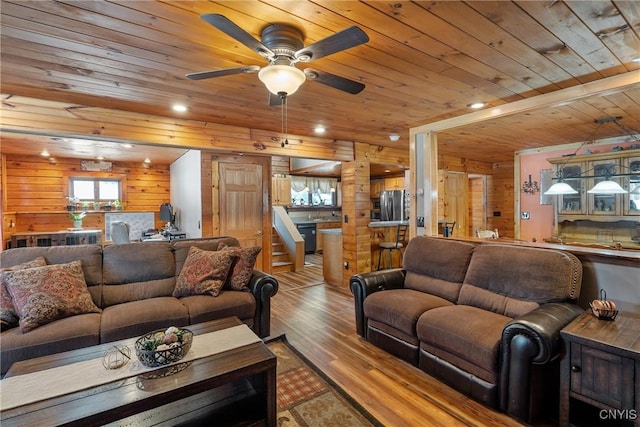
(44, 153)
(147, 160)
(387, 171)
(394, 137)
(99, 158)
(127, 145)
(179, 108)
(636, 59)
(319, 129)
(476, 105)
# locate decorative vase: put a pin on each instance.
(77, 223)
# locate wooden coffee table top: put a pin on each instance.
(120, 399)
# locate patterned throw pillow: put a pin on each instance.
(243, 268)
(204, 272)
(44, 294)
(8, 316)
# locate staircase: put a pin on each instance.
(280, 261)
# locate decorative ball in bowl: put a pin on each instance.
(163, 346)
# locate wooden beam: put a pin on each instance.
(557, 98)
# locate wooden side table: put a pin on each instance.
(601, 367)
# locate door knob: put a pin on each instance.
(575, 368)
(258, 233)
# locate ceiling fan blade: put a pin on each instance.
(345, 39)
(226, 26)
(336, 82)
(275, 100)
(224, 72)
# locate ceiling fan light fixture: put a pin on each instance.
(281, 78)
(607, 187)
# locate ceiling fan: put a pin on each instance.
(282, 45)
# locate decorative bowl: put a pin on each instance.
(152, 349)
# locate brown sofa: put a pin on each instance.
(133, 285)
(484, 318)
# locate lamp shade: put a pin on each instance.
(560, 188)
(281, 78)
(607, 187)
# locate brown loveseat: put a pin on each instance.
(484, 318)
(133, 285)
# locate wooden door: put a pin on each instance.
(455, 201)
(241, 204)
(477, 204)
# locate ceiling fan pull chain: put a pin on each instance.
(282, 119)
(286, 121)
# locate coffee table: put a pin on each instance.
(236, 387)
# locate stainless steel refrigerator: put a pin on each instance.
(394, 205)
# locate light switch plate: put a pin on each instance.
(525, 215)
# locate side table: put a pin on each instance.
(601, 367)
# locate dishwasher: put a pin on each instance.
(308, 232)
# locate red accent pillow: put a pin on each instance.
(243, 268)
(204, 272)
(8, 316)
(44, 294)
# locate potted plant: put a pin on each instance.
(96, 206)
(77, 218)
(71, 204)
(118, 205)
(85, 206)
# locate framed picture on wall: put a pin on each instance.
(545, 182)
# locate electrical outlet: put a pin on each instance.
(525, 215)
(346, 265)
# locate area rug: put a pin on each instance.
(307, 397)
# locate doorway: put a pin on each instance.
(239, 195)
(477, 203)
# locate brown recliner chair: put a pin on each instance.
(484, 318)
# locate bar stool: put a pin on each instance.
(401, 240)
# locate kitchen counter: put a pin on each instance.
(332, 268)
(376, 224)
(297, 221)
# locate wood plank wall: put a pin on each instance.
(280, 165)
(35, 191)
(500, 197)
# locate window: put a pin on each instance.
(95, 189)
(313, 191)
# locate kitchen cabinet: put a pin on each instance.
(601, 368)
(56, 238)
(375, 187)
(599, 207)
(631, 204)
(281, 191)
(599, 218)
(395, 183)
(604, 204)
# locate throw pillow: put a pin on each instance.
(203, 272)
(243, 268)
(44, 294)
(8, 316)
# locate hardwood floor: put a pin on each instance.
(318, 319)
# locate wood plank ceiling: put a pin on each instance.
(425, 61)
